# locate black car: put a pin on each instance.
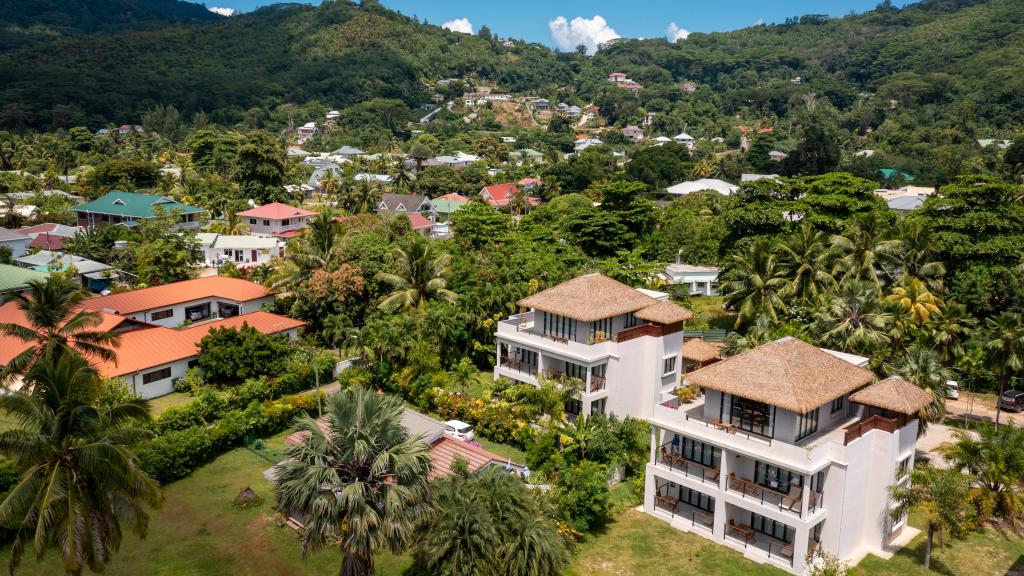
(1012, 401)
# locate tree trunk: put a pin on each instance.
(928, 547)
(1002, 386)
(353, 564)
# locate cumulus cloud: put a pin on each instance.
(581, 31)
(223, 11)
(462, 25)
(675, 33)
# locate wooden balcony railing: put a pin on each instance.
(788, 502)
(518, 365)
(688, 467)
(866, 425)
(597, 383)
(671, 505)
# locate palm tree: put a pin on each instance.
(1004, 340)
(79, 479)
(404, 179)
(231, 225)
(994, 457)
(923, 368)
(754, 284)
(802, 259)
(575, 436)
(860, 253)
(915, 255)
(329, 185)
(916, 301)
(944, 495)
(421, 276)
(361, 484)
(854, 320)
(951, 330)
(314, 250)
(55, 325)
(367, 196)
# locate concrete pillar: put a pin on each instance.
(650, 486)
(800, 538)
(590, 371)
(723, 470)
(655, 442)
(805, 496)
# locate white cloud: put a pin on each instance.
(462, 25)
(581, 31)
(223, 11)
(675, 33)
(760, 22)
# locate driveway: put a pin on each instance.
(980, 410)
(937, 435)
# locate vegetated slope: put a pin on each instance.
(31, 21)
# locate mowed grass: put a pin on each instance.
(158, 405)
(708, 313)
(199, 532)
(984, 553)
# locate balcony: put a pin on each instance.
(517, 365)
(742, 536)
(750, 490)
(689, 468)
(858, 429)
(520, 329)
(597, 384)
(683, 511)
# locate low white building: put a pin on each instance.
(584, 143)
(685, 139)
(307, 130)
(15, 241)
(243, 250)
(722, 187)
(702, 280)
(791, 448)
(623, 343)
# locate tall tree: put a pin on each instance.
(802, 259)
(923, 368)
(854, 320)
(944, 496)
(994, 457)
(56, 324)
(361, 484)
(259, 168)
(754, 284)
(1004, 341)
(420, 276)
(79, 479)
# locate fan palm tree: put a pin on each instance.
(943, 495)
(916, 302)
(79, 479)
(1004, 341)
(994, 457)
(802, 259)
(860, 252)
(923, 368)
(420, 277)
(753, 284)
(854, 320)
(55, 325)
(361, 484)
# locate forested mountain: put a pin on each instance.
(32, 21)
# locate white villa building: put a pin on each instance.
(244, 250)
(702, 280)
(790, 448)
(623, 343)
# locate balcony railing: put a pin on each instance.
(675, 462)
(724, 426)
(696, 516)
(748, 489)
(871, 423)
(597, 383)
(749, 538)
(518, 365)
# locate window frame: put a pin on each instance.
(162, 314)
(838, 404)
(807, 424)
(668, 365)
(148, 377)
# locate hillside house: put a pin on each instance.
(276, 219)
(132, 208)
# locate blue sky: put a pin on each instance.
(531, 19)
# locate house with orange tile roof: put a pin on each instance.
(185, 302)
(276, 219)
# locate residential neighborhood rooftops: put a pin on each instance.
(242, 242)
(895, 394)
(11, 313)
(418, 222)
(589, 297)
(177, 292)
(788, 373)
(45, 259)
(14, 278)
(276, 211)
(134, 205)
(7, 235)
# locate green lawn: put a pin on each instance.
(708, 313)
(158, 405)
(503, 450)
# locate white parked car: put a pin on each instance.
(458, 430)
(952, 390)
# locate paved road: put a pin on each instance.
(935, 436)
(980, 411)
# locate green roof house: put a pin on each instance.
(13, 278)
(130, 208)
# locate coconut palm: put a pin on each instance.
(860, 252)
(754, 284)
(329, 185)
(79, 479)
(994, 457)
(55, 324)
(315, 250)
(575, 436)
(951, 330)
(420, 276)
(802, 260)
(231, 225)
(916, 302)
(1004, 341)
(923, 368)
(913, 255)
(854, 320)
(361, 484)
(944, 497)
(366, 197)
(404, 179)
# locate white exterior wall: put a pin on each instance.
(160, 387)
(699, 282)
(178, 318)
(273, 227)
(212, 253)
(18, 246)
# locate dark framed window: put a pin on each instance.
(559, 326)
(598, 406)
(776, 477)
(575, 371)
(838, 404)
(697, 499)
(668, 365)
(748, 415)
(604, 326)
(161, 314)
(285, 222)
(574, 407)
(700, 452)
(156, 375)
(807, 424)
(252, 221)
(266, 222)
(527, 356)
(772, 528)
(194, 363)
(631, 320)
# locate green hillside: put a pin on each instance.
(25, 22)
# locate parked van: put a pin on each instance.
(458, 430)
(952, 390)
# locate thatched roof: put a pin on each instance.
(788, 373)
(697, 350)
(664, 313)
(588, 298)
(894, 393)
